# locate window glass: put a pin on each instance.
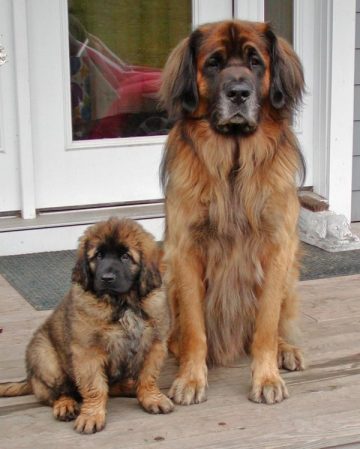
(280, 14)
(117, 51)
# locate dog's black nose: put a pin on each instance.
(237, 92)
(108, 277)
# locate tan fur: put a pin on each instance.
(231, 241)
(86, 343)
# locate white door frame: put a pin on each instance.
(9, 115)
(25, 148)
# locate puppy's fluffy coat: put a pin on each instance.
(107, 336)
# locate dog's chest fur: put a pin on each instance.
(235, 235)
(237, 193)
(232, 274)
(126, 343)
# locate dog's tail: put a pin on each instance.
(10, 389)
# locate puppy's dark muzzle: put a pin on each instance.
(109, 282)
(108, 278)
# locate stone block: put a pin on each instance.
(327, 230)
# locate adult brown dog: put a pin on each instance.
(229, 173)
(108, 333)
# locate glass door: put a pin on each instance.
(117, 50)
(96, 67)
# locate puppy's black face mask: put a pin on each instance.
(114, 270)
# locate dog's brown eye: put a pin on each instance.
(213, 63)
(254, 61)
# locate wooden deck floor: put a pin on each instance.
(322, 412)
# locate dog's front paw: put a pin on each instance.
(65, 408)
(190, 386)
(269, 390)
(156, 403)
(90, 423)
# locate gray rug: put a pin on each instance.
(44, 278)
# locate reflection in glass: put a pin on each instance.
(117, 51)
(280, 14)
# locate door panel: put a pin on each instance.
(101, 142)
(9, 167)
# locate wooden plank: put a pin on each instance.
(310, 419)
(322, 412)
(12, 301)
(336, 301)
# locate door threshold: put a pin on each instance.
(82, 217)
(57, 231)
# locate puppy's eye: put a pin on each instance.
(125, 257)
(99, 255)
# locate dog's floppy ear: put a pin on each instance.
(286, 74)
(149, 276)
(179, 93)
(81, 273)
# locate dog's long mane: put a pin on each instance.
(231, 183)
(231, 200)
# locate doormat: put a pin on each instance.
(44, 278)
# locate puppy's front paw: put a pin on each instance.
(156, 403)
(65, 408)
(270, 390)
(90, 423)
(190, 386)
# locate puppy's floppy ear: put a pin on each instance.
(179, 93)
(149, 276)
(81, 273)
(286, 74)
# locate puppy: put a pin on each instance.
(107, 335)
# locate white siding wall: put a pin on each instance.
(355, 209)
